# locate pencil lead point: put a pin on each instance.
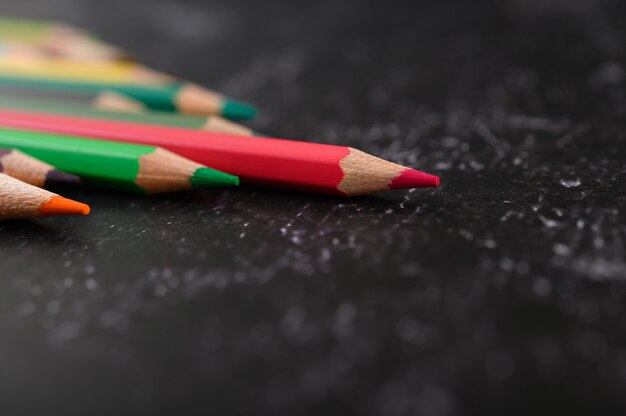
(57, 205)
(238, 111)
(207, 177)
(412, 178)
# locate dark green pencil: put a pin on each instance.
(179, 96)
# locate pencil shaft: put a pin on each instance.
(117, 165)
(275, 162)
(159, 98)
(183, 97)
(58, 39)
(30, 64)
(71, 107)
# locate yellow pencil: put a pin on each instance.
(118, 72)
(57, 39)
(153, 88)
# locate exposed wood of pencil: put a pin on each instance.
(218, 124)
(164, 171)
(112, 101)
(32, 171)
(21, 200)
(284, 163)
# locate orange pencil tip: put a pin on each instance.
(57, 205)
(412, 178)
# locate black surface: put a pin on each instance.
(502, 292)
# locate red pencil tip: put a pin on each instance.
(412, 178)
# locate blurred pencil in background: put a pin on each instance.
(21, 200)
(72, 107)
(185, 97)
(113, 101)
(57, 39)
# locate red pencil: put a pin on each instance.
(290, 164)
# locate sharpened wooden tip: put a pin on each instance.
(58, 205)
(364, 174)
(194, 99)
(113, 101)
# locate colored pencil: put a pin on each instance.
(69, 107)
(57, 39)
(291, 164)
(105, 100)
(33, 171)
(113, 101)
(30, 64)
(21, 200)
(123, 166)
(183, 97)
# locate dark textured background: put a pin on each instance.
(502, 292)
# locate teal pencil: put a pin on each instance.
(182, 97)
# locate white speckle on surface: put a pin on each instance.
(548, 222)
(570, 183)
(507, 264)
(91, 284)
(561, 249)
(441, 166)
(489, 243)
(600, 268)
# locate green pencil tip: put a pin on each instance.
(238, 111)
(211, 178)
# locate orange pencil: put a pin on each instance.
(21, 200)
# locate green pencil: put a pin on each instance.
(123, 166)
(70, 107)
(179, 96)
